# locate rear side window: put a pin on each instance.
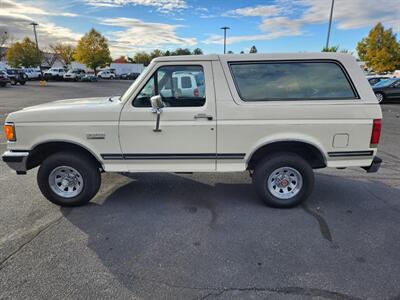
(186, 82)
(263, 81)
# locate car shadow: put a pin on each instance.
(166, 234)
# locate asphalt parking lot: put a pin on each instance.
(200, 236)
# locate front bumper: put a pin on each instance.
(16, 160)
(375, 165)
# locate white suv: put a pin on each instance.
(54, 73)
(277, 116)
(105, 74)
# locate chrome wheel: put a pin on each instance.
(379, 96)
(66, 182)
(285, 183)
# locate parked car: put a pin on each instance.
(387, 89)
(32, 73)
(54, 74)
(4, 78)
(74, 74)
(89, 77)
(17, 76)
(129, 76)
(106, 74)
(377, 78)
(184, 84)
(276, 116)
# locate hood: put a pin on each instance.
(70, 110)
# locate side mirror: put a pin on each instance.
(156, 102)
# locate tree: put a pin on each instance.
(121, 60)
(380, 49)
(182, 51)
(64, 52)
(49, 57)
(156, 53)
(23, 54)
(331, 49)
(253, 49)
(230, 52)
(242, 52)
(167, 53)
(197, 51)
(142, 58)
(4, 37)
(92, 50)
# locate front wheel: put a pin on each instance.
(69, 179)
(380, 97)
(13, 82)
(283, 180)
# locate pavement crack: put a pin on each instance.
(323, 225)
(22, 246)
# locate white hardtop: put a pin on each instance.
(251, 57)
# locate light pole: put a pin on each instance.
(225, 28)
(329, 26)
(37, 47)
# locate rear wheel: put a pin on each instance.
(380, 97)
(283, 180)
(69, 179)
(22, 82)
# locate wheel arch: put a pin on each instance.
(40, 151)
(311, 152)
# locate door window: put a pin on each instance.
(177, 86)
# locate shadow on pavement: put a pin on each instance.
(162, 235)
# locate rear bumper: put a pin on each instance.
(375, 165)
(16, 160)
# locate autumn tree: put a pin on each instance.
(156, 53)
(64, 52)
(23, 54)
(4, 37)
(253, 49)
(92, 50)
(380, 49)
(142, 58)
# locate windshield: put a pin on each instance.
(134, 84)
(386, 82)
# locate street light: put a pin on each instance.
(37, 47)
(225, 28)
(329, 26)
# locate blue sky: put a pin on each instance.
(135, 25)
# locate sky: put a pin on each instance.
(143, 25)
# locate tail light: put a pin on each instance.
(376, 133)
(196, 92)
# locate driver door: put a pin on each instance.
(187, 137)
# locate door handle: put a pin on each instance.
(203, 116)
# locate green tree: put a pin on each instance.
(64, 52)
(142, 58)
(380, 49)
(156, 53)
(253, 49)
(182, 51)
(23, 54)
(167, 53)
(230, 52)
(92, 50)
(331, 49)
(197, 51)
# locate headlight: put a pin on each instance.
(9, 132)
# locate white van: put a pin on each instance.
(277, 116)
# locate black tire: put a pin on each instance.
(22, 82)
(3, 84)
(13, 82)
(265, 168)
(84, 164)
(380, 96)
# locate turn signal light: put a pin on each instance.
(9, 132)
(376, 132)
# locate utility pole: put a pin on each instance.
(329, 26)
(37, 47)
(225, 28)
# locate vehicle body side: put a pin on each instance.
(121, 136)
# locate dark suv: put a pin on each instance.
(4, 78)
(17, 76)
